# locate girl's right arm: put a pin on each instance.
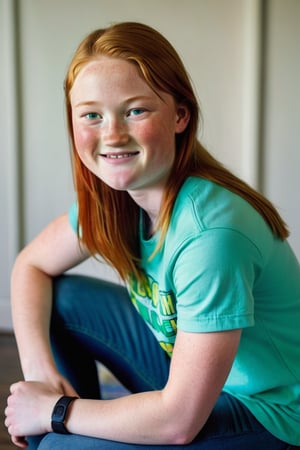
(52, 252)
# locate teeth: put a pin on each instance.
(124, 155)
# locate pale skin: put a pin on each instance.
(125, 134)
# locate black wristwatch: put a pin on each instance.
(59, 414)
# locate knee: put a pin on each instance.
(50, 442)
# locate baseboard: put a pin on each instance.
(5, 315)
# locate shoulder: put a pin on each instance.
(204, 206)
(212, 205)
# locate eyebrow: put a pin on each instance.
(86, 103)
(128, 100)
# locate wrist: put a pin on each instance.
(60, 414)
(38, 370)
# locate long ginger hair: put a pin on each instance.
(109, 219)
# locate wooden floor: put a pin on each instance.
(9, 372)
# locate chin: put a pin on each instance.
(116, 186)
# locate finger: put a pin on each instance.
(70, 391)
(8, 403)
(14, 386)
(6, 423)
(19, 441)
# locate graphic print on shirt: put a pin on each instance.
(157, 308)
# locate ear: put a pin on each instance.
(182, 118)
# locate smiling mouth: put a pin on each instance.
(119, 155)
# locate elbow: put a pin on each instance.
(180, 439)
(184, 439)
(184, 422)
(181, 435)
(21, 261)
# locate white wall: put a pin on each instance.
(9, 202)
(209, 35)
(282, 113)
(220, 43)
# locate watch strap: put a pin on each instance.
(59, 414)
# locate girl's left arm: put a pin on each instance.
(174, 415)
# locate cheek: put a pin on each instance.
(160, 137)
(153, 133)
(85, 140)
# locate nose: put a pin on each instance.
(115, 132)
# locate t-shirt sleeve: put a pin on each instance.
(73, 216)
(213, 278)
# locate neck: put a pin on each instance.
(150, 202)
(149, 226)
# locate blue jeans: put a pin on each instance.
(94, 320)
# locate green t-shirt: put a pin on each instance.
(221, 268)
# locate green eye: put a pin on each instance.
(136, 111)
(92, 116)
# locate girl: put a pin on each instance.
(205, 334)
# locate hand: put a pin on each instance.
(48, 375)
(59, 384)
(29, 409)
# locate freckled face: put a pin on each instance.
(123, 131)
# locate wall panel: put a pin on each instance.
(9, 152)
(282, 113)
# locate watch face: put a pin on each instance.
(59, 410)
(59, 414)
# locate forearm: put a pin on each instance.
(54, 251)
(175, 415)
(199, 367)
(31, 310)
(145, 418)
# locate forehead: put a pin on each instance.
(110, 79)
(107, 63)
(110, 72)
